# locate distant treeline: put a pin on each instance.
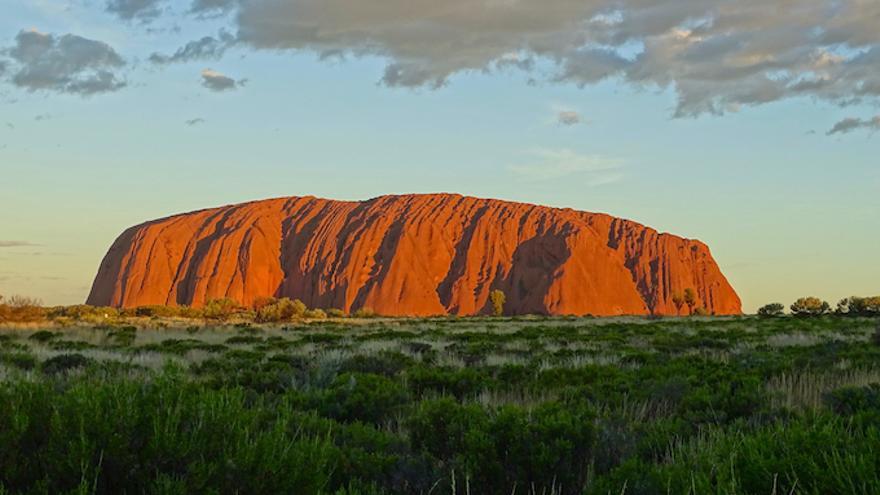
(264, 310)
(813, 306)
(275, 310)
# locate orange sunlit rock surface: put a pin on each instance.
(410, 255)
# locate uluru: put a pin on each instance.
(411, 255)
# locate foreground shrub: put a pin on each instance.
(129, 437)
(64, 362)
(549, 448)
(816, 455)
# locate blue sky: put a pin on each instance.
(787, 209)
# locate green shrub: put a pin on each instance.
(770, 310)
(64, 362)
(219, 309)
(362, 397)
(281, 310)
(43, 336)
(809, 306)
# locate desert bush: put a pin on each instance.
(548, 447)
(43, 336)
(362, 397)
(124, 437)
(498, 299)
(690, 298)
(810, 455)
(281, 310)
(772, 309)
(219, 309)
(315, 314)
(21, 309)
(859, 306)
(335, 313)
(84, 312)
(64, 362)
(364, 313)
(809, 306)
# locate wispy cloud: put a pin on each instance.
(550, 164)
(851, 124)
(205, 48)
(195, 121)
(128, 10)
(5, 244)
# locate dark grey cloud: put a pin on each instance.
(851, 124)
(716, 55)
(216, 81)
(205, 48)
(195, 121)
(64, 64)
(3, 66)
(5, 244)
(128, 10)
(568, 118)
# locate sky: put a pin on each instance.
(751, 127)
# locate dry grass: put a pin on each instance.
(807, 389)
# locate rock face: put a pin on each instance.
(410, 255)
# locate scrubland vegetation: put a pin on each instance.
(225, 401)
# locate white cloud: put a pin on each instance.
(551, 164)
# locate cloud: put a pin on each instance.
(716, 55)
(205, 48)
(64, 64)
(10, 125)
(212, 6)
(43, 116)
(128, 10)
(195, 121)
(568, 117)
(215, 81)
(3, 66)
(548, 164)
(851, 124)
(5, 244)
